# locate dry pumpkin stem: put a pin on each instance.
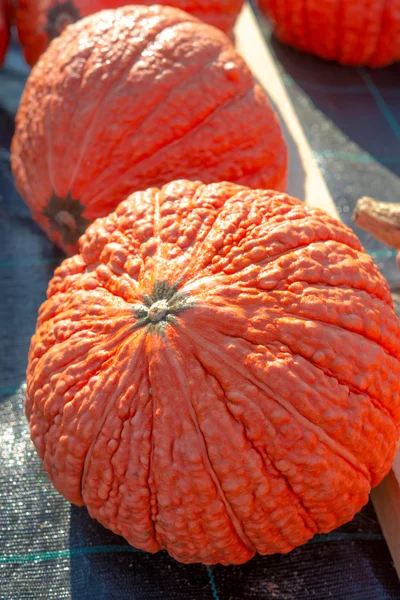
(59, 15)
(65, 216)
(161, 307)
(380, 219)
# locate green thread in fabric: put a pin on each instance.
(85, 550)
(212, 583)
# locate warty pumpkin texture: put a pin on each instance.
(351, 32)
(40, 21)
(132, 98)
(216, 373)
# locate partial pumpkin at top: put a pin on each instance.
(5, 23)
(351, 32)
(40, 21)
(132, 98)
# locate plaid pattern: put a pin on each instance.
(52, 550)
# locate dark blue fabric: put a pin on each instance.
(52, 550)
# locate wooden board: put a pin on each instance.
(386, 497)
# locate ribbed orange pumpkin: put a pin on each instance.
(352, 32)
(133, 98)
(216, 373)
(4, 28)
(40, 21)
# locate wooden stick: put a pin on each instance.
(380, 219)
(386, 501)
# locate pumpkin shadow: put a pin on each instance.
(344, 564)
(356, 114)
(105, 567)
(27, 257)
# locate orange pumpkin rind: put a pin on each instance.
(216, 373)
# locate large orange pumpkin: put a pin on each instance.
(4, 28)
(40, 21)
(133, 98)
(216, 373)
(352, 32)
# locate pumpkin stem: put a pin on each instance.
(64, 219)
(59, 16)
(380, 219)
(158, 311)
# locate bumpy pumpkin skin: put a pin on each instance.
(40, 21)
(100, 119)
(216, 373)
(351, 32)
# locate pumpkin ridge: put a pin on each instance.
(339, 20)
(153, 504)
(365, 6)
(85, 327)
(110, 404)
(48, 138)
(281, 11)
(109, 506)
(279, 475)
(199, 247)
(236, 523)
(352, 388)
(105, 94)
(278, 164)
(76, 31)
(297, 497)
(176, 141)
(385, 300)
(63, 365)
(157, 233)
(336, 447)
(379, 35)
(57, 427)
(150, 477)
(115, 89)
(206, 262)
(275, 226)
(307, 34)
(72, 360)
(271, 259)
(379, 405)
(266, 166)
(313, 530)
(299, 317)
